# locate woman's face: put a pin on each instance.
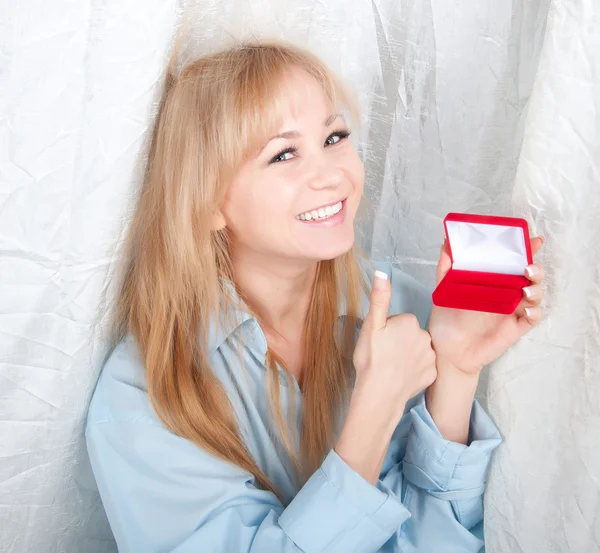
(296, 200)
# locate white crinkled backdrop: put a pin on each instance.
(486, 107)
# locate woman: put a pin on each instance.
(237, 413)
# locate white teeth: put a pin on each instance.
(321, 213)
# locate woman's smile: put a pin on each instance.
(325, 216)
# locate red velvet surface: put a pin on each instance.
(483, 291)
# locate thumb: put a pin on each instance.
(381, 295)
(444, 264)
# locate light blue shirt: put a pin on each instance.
(164, 494)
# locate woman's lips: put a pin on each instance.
(331, 221)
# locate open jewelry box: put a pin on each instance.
(489, 255)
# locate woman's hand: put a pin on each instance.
(394, 361)
(393, 357)
(468, 340)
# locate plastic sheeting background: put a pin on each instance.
(490, 107)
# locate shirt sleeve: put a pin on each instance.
(441, 482)
(162, 493)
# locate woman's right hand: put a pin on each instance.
(393, 357)
(394, 361)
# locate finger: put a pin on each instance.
(531, 317)
(380, 301)
(533, 294)
(536, 244)
(429, 355)
(524, 304)
(444, 247)
(535, 273)
(444, 264)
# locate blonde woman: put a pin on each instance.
(260, 398)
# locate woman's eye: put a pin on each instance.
(335, 137)
(288, 153)
(283, 156)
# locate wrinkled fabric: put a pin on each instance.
(552, 448)
(163, 493)
(485, 107)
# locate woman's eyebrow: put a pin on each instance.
(286, 134)
(295, 134)
(331, 119)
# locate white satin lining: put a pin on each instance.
(487, 248)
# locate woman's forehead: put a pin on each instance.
(295, 96)
(298, 92)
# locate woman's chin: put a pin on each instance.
(324, 251)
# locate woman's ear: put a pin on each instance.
(218, 221)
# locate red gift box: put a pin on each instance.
(489, 255)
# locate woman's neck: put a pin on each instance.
(277, 290)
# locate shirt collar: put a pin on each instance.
(234, 315)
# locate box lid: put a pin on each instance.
(489, 244)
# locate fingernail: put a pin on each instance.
(527, 292)
(543, 240)
(530, 271)
(528, 312)
(380, 278)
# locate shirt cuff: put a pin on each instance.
(446, 469)
(336, 501)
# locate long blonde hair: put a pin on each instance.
(213, 115)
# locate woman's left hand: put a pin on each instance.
(468, 340)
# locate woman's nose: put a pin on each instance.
(325, 175)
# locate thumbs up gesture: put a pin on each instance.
(393, 357)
